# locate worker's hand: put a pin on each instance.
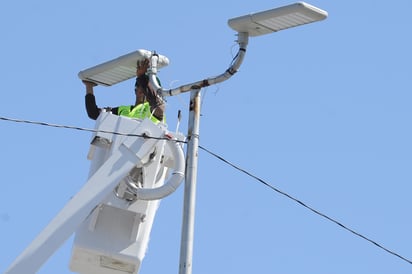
(89, 83)
(142, 67)
(89, 86)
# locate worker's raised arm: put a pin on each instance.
(157, 106)
(90, 101)
(89, 86)
(141, 67)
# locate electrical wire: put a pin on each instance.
(86, 129)
(233, 166)
(305, 205)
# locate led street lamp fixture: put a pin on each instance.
(273, 20)
(119, 69)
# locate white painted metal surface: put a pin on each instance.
(119, 69)
(277, 19)
(114, 238)
(113, 225)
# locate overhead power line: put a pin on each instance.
(306, 206)
(85, 129)
(235, 167)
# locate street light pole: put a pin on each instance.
(186, 245)
(256, 24)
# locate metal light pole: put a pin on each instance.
(186, 245)
(249, 25)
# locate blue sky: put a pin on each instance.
(321, 112)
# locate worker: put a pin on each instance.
(147, 105)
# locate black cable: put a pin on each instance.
(306, 206)
(86, 129)
(232, 165)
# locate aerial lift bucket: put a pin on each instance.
(114, 237)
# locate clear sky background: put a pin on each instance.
(321, 112)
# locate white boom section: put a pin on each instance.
(114, 211)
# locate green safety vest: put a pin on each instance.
(140, 111)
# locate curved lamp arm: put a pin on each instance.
(242, 40)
